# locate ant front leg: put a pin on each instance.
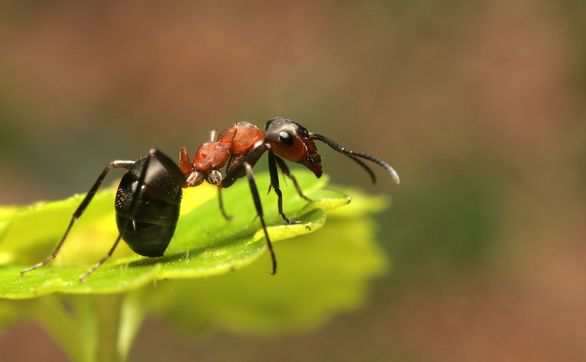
(285, 170)
(81, 208)
(259, 212)
(275, 185)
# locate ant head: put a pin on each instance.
(291, 141)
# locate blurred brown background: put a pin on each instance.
(480, 106)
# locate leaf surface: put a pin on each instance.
(204, 243)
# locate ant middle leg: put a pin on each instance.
(259, 212)
(80, 209)
(222, 210)
(215, 178)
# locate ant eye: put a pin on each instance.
(286, 138)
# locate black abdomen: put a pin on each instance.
(150, 229)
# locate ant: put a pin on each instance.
(149, 195)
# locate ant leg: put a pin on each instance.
(283, 166)
(258, 205)
(226, 216)
(275, 184)
(81, 208)
(98, 264)
(215, 178)
(236, 171)
(152, 153)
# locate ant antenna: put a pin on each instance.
(355, 157)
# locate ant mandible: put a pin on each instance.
(149, 195)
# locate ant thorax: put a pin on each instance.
(233, 143)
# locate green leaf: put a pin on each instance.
(204, 243)
(319, 275)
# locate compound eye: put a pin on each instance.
(286, 138)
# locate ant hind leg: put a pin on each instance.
(133, 204)
(80, 209)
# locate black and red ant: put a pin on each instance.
(149, 195)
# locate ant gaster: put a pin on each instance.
(149, 195)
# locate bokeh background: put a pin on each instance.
(480, 106)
